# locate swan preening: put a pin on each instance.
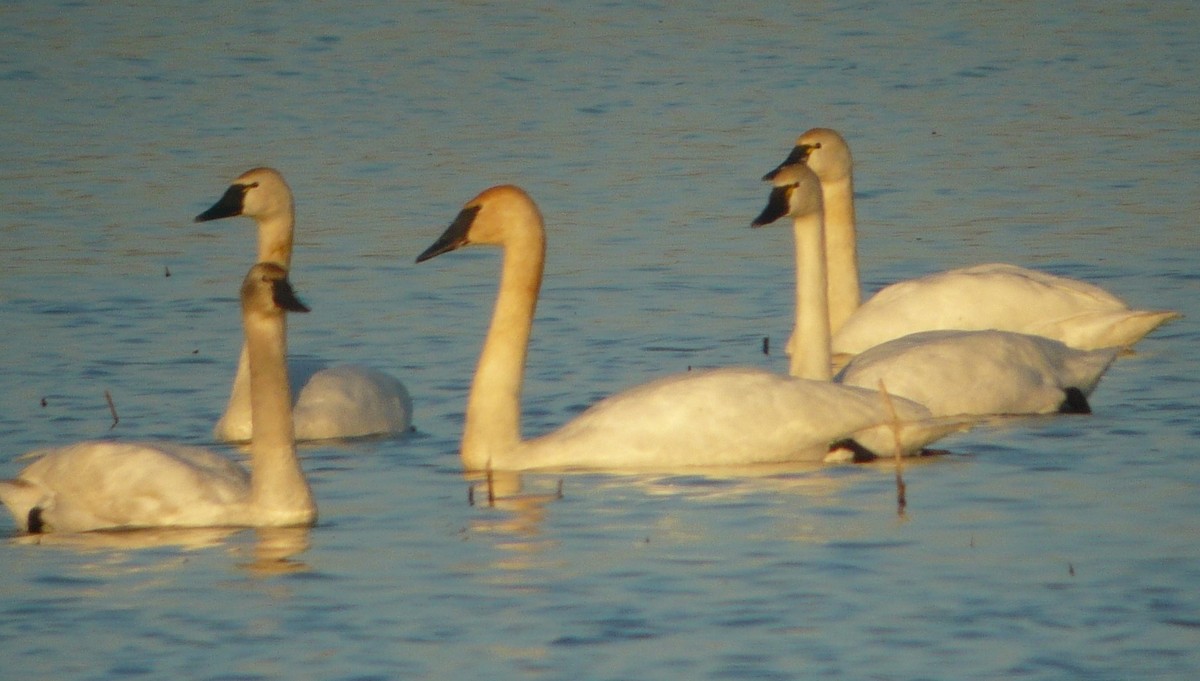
(108, 484)
(722, 417)
(949, 372)
(334, 402)
(990, 296)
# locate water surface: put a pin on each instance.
(1058, 137)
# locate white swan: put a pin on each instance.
(107, 484)
(949, 372)
(724, 417)
(331, 402)
(991, 296)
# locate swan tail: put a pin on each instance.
(1121, 329)
(1074, 402)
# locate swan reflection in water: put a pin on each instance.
(262, 551)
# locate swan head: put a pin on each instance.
(260, 192)
(822, 149)
(266, 291)
(796, 193)
(497, 216)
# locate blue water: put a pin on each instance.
(1060, 136)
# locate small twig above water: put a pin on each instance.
(112, 408)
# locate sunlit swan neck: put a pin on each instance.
(279, 489)
(493, 419)
(811, 358)
(841, 252)
(797, 193)
(828, 155)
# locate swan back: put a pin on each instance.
(982, 372)
(999, 296)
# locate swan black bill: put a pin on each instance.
(777, 206)
(799, 154)
(285, 296)
(455, 235)
(229, 205)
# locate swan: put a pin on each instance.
(714, 418)
(987, 296)
(949, 372)
(109, 484)
(331, 402)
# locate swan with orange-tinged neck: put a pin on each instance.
(989, 296)
(714, 418)
(109, 484)
(331, 402)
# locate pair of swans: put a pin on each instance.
(988, 296)
(988, 339)
(331, 402)
(948, 371)
(715, 418)
(110, 484)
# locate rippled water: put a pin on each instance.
(1060, 137)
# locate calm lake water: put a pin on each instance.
(1061, 136)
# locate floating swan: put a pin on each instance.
(723, 417)
(949, 372)
(332, 402)
(108, 484)
(990, 296)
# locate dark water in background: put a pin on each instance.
(1063, 137)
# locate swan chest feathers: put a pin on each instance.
(998, 296)
(982, 372)
(722, 417)
(99, 484)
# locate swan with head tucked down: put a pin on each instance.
(949, 372)
(110, 484)
(331, 402)
(722, 417)
(990, 296)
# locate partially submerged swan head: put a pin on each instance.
(497, 216)
(796, 192)
(823, 150)
(266, 291)
(257, 193)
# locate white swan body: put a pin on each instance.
(993, 296)
(106, 484)
(334, 402)
(725, 417)
(982, 372)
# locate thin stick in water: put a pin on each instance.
(113, 409)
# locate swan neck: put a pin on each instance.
(841, 251)
(492, 431)
(280, 494)
(275, 234)
(811, 354)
